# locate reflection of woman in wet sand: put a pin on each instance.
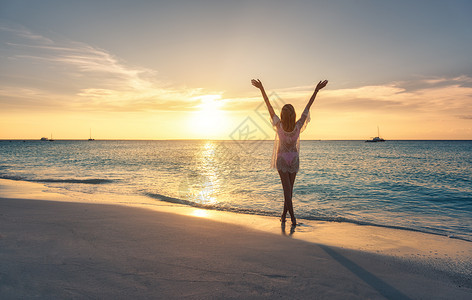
(285, 156)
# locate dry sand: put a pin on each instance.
(63, 250)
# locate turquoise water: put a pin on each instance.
(415, 185)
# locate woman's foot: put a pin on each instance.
(282, 218)
(294, 222)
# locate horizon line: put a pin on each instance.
(85, 139)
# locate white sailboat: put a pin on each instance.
(90, 139)
(377, 138)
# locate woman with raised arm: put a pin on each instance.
(285, 156)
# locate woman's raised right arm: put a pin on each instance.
(258, 84)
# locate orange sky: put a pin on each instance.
(183, 71)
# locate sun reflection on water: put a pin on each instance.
(201, 213)
(208, 161)
(202, 184)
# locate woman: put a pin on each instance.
(285, 156)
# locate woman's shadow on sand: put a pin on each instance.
(375, 282)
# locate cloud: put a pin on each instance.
(23, 32)
(435, 82)
(88, 78)
(427, 95)
(49, 73)
(447, 96)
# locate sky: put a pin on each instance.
(182, 69)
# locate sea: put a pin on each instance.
(422, 186)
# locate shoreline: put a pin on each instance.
(413, 254)
(162, 200)
(185, 203)
(440, 251)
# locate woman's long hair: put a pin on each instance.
(287, 117)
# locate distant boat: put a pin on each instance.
(51, 139)
(90, 139)
(44, 139)
(377, 138)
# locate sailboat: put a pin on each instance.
(377, 138)
(90, 139)
(51, 139)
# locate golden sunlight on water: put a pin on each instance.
(207, 167)
(201, 186)
(201, 213)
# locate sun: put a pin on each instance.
(209, 120)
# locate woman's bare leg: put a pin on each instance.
(287, 183)
(292, 182)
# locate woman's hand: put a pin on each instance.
(257, 83)
(321, 85)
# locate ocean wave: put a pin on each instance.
(13, 177)
(209, 205)
(300, 217)
(52, 180)
(86, 181)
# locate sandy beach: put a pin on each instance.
(54, 248)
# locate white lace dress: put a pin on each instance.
(285, 156)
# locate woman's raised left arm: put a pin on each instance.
(306, 112)
(319, 86)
